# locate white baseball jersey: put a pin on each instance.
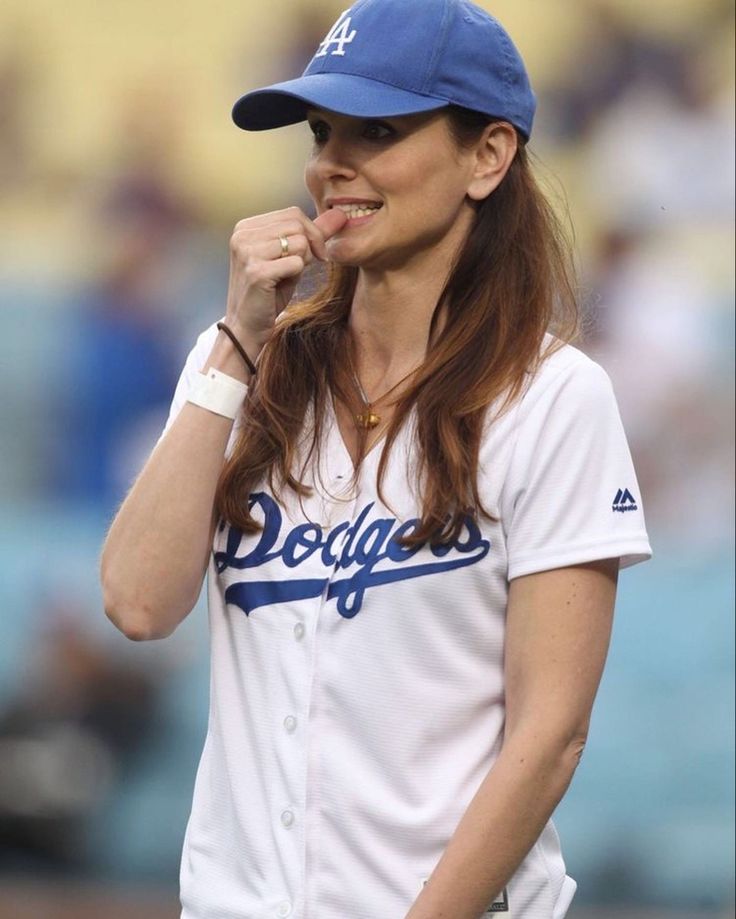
(357, 686)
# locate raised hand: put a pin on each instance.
(264, 271)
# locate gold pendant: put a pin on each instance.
(368, 421)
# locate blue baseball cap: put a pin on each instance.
(399, 57)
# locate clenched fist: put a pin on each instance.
(262, 275)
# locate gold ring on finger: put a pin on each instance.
(284, 246)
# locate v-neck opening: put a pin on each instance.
(335, 421)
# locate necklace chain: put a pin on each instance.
(368, 419)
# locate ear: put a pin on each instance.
(494, 153)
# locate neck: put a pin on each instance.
(390, 321)
(393, 306)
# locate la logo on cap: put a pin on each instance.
(339, 35)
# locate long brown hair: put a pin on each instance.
(512, 282)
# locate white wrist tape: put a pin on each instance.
(218, 393)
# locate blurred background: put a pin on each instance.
(121, 178)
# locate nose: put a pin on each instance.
(334, 159)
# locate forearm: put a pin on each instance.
(499, 827)
(155, 555)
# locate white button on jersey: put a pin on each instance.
(287, 818)
(299, 631)
(290, 723)
(284, 910)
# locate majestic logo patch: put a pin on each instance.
(339, 35)
(624, 501)
(499, 905)
(368, 551)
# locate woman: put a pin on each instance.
(412, 501)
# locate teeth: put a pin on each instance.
(358, 210)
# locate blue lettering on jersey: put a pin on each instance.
(355, 549)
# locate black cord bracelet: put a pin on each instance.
(238, 347)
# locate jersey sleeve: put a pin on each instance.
(571, 495)
(192, 366)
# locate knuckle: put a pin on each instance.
(243, 253)
(299, 244)
(253, 273)
(237, 242)
(290, 266)
(243, 226)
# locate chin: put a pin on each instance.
(344, 255)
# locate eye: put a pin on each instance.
(321, 132)
(377, 130)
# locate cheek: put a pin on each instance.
(436, 180)
(437, 198)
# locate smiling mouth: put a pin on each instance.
(357, 210)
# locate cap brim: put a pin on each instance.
(287, 103)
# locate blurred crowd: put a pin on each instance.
(107, 274)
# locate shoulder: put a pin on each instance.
(566, 392)
(564, 378)
(564, 362)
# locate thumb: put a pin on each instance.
(331, 222)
